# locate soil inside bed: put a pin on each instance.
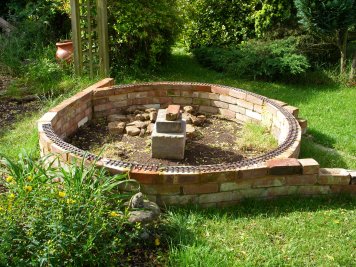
(214, 142)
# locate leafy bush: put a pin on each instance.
(70, 215)
(141, 32)
(220, 23)
(256, 59)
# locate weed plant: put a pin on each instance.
(58, 216)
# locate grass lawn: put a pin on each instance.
(282, 232)
(287, 231)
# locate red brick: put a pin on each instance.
(284, 166)
(253, 172)
(227, 176)
(181, 178)
(146, 177)
(202, 88)
(310, 166)
(200, 189)
(220, 90)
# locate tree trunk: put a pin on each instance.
(342, 44)
(353, 68)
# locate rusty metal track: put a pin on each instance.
(291, 138)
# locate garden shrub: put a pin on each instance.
(64, 216)
(256, 59)
(220, 23)
(141, 32)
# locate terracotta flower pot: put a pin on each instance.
(64, 51)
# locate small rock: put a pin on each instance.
(136, 201)
(142, 133)
(132, 130)
(188, 109)
(146, 116)
(139, 117)
(117, 127)
(190, 131)
(150, 213)
(172, 112)
(149, 110)
(139, 124)
(149, 129)
(153, 116)
(198, 120)
(137, 111)
(117, 117)
(187, 118)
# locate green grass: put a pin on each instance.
(256, 137)
(284, 232)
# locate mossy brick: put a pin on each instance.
(182, 100)
(310, 166)
(284, 166)
(351, 188)
(269, 181)
(151, 189)
(305, 179)
(115, 98)
(177, 200)
(180, 178)
(313, 190)
(253, 172)
(221, 176)
(232, 186)
(146, 177)
(201, 101)
(281, 191)
(208, 109)
(200, 188)
(173, 92)
(331, 176)
(218, 197)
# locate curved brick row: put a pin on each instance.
(206, 184)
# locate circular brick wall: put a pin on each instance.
(205, 184)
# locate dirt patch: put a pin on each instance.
(215, 142)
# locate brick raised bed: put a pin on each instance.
(275, 173)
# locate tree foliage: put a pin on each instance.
(141, 32)
(325, 18)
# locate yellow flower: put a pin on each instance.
(61, 194)
(9, 179)
(157, 242)
(71, 201)
(114, 214)
(30, 178)
(28, 188)
(12, 196)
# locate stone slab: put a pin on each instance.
(168, 145)
(164, 126)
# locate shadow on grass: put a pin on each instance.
(277, 207)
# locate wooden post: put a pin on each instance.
(76, 36)
(102, 20)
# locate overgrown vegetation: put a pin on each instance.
(256, 137)
(71, 215)
(256, 59)
(141, 33)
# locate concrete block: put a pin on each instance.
(164, 126)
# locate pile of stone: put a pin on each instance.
(140, 122)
